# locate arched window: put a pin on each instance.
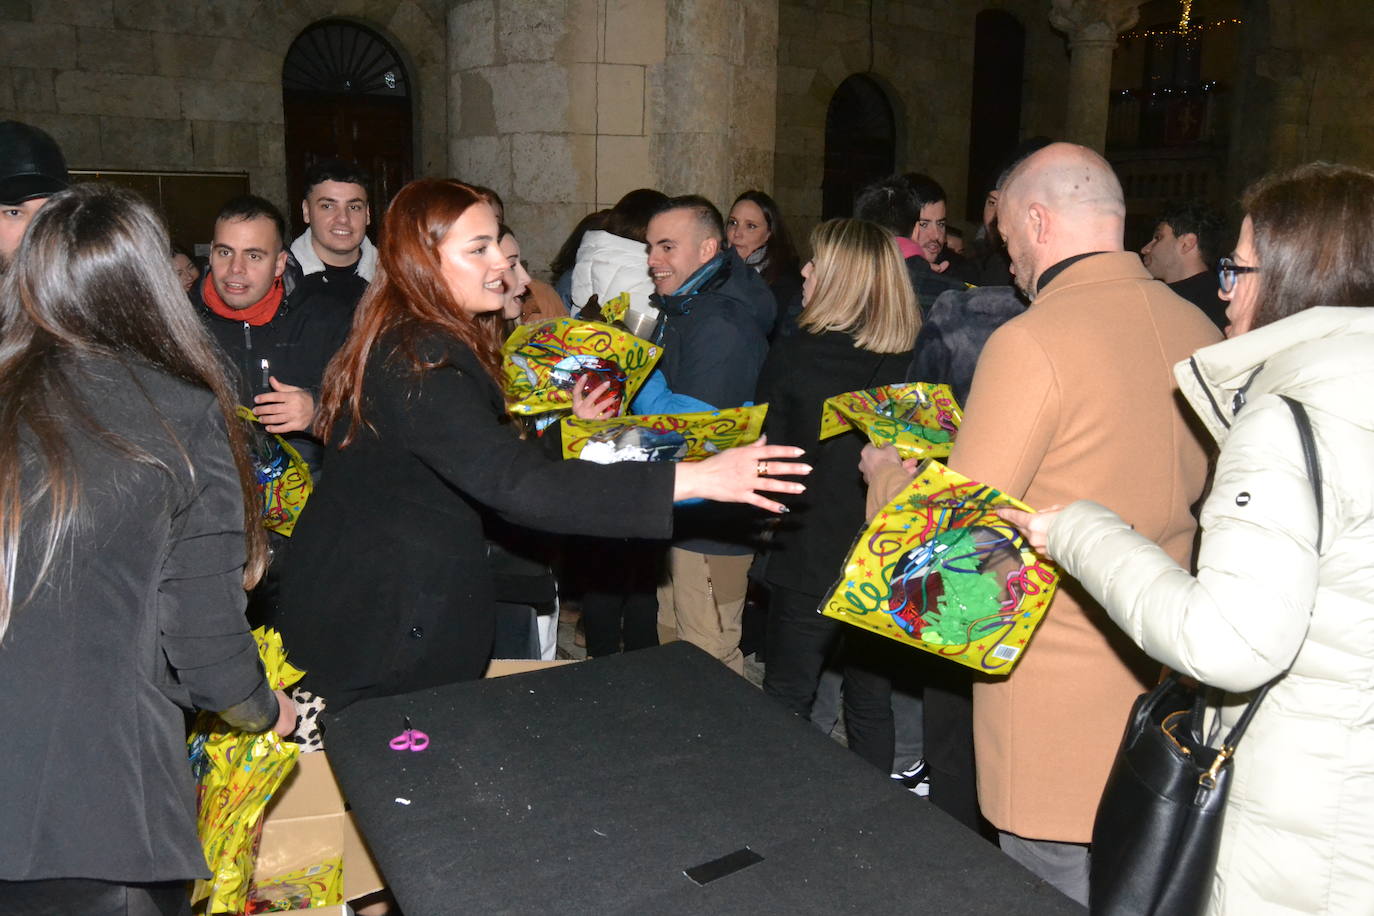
(346, 95)
(860, 143)
(999, 49)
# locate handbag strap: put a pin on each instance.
(1314, 475)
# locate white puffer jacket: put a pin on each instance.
(608, 265)
(1299, 830)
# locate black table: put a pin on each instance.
(590, 788)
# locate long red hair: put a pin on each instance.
(408, 297)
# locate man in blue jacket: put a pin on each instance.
(716, 317)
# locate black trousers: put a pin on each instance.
(73, 896)
(800, 640)
(620, 600)
(948, 715)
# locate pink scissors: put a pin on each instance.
(410, 739)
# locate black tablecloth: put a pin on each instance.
(591, 788)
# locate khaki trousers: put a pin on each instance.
(704, 601)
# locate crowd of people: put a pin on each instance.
(133, 552)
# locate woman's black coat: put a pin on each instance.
(140, 616)
(809, 545)
(387, 588)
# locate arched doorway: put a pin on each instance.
(999, 50)
(860, 143)
(346, 95)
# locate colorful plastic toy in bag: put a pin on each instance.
(662, 437)
(542, 363)
(938, 570)
(280, 473)
(918, 418)
(315, 886)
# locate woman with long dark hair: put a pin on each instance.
(1284, 591)
(856, 331)
(388, 589)
(124, 502)
(756, 230)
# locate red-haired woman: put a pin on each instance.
(388, 588)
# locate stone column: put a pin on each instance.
(1092, 27)
(713, 99)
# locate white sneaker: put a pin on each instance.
(915, 778)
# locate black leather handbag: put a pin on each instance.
(1158, 826)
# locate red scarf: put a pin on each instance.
(257, 314)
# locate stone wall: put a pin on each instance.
(922, 52)
(565, 105)
(1306, 87)
(164, 85)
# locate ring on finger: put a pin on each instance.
(762, 469)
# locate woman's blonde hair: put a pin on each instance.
(860, 286)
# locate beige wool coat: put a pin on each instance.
(1075, 398)
(1298, 836)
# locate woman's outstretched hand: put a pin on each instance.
(593, 403)
(737, 475)
(1034, 526)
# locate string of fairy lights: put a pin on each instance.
(1186, 28)
(1192, 30)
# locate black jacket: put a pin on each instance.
(1201, 290)
(310, 325)
(929, 285)
(951, 339)
(387, 588)
(810, 543)
(141, 616)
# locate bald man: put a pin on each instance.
(1075, 395)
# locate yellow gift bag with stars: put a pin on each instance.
(236, 775)
(938, 570)
(918, 418)
(542, 363)
(662, 437)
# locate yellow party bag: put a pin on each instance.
(280, 474)
(919, 418)
(662, 437)
(237, 774)
(938, 570)
(543, 362)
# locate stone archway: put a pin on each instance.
(999, 47)
(346, 95)
(860, 142)
(419, 39)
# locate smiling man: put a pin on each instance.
(716, 316)
(334, 252)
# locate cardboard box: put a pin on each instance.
(306, 823)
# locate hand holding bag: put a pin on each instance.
(1158, 826)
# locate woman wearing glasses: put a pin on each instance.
(1270, 602)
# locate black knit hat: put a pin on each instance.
(31, 164)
